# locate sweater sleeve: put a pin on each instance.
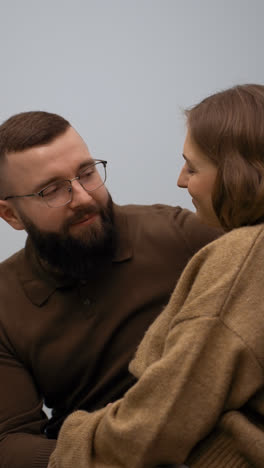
(201, 366)
(22, 443)
(171, 408)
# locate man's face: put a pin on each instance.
(31, 170)
(63, 236)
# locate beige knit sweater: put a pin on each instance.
(200, 394)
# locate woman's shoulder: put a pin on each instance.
(234, 243)
(216, 266)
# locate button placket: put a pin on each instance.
(85, 297)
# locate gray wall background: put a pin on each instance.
(122, 71)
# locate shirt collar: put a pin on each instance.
(124, 249)
(39, 284)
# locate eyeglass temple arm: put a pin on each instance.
(22, 196)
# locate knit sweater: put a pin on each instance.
(199, 397)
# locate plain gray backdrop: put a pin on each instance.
(122, 71)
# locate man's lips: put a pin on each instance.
(87, 219)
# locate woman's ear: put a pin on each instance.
(9, 214)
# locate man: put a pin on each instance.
(75, 303)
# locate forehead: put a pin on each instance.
(190, 149)
(60, 158)
(193, 153)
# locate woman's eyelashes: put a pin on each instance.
(190, 169)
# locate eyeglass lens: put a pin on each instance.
(60, 193)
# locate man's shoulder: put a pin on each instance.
(160, 218)
(154, 211)
(141, 208)
(11, 264)
(156, 219)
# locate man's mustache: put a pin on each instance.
(79, 215)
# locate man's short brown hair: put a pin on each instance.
(26, 130)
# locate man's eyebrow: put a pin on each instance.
(88, 162)
(54, 179)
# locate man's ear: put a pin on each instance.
(10, 215)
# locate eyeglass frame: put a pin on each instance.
(40, 193)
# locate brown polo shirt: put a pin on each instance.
(69, 344)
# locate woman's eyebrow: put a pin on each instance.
(185, 157)
(187, 160)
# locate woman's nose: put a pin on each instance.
(182, 181)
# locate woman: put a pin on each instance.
(199, 398)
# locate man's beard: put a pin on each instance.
(77, 257)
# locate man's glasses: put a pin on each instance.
(60, 193)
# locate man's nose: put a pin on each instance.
(80, 196)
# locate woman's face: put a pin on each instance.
(198, 176)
